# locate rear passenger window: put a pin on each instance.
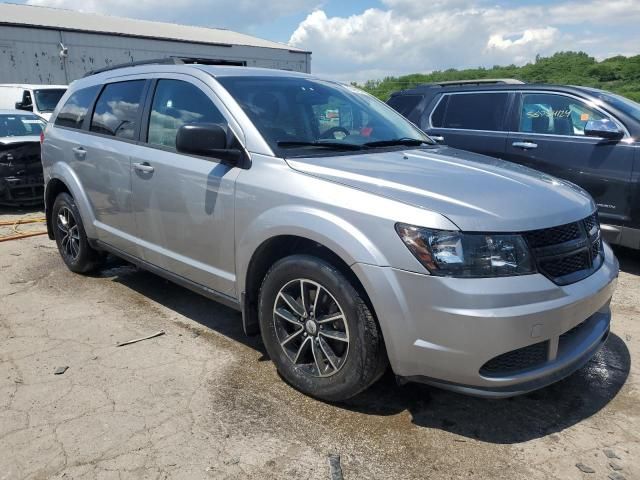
(74, 111)
(471, 111)
(404, 104)
(117, 109)
(176, 103)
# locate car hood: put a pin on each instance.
(19, 139)
(475, 192)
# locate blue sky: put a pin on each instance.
(369, 39)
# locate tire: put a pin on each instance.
(71, 238)
(325, 366)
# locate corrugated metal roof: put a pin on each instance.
(62, 19)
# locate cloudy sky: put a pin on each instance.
(368, 39)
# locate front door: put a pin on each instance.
(549, 136)
(183, 204)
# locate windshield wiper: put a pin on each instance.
(337, 145)
(397, 141)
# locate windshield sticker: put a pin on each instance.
(584, 117)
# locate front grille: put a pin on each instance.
(566, 265)
(516, 360)
(554, 235)
(596, 248)
(591, 221)
(566, 338)
(567, 253)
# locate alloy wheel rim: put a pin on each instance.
(311, 328)
(70, 233)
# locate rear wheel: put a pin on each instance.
(318, 330)
(70, 236)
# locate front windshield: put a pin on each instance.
(297, 116)
(47, 99)
(619, 102)
(20, 125)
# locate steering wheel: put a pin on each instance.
(331, 132)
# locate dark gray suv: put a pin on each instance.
(587, 136)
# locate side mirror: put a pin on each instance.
(603, 129)
(21, 106)
(207, 140)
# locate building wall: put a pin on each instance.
(32, 55)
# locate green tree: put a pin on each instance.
(617, 74)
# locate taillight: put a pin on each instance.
(41, 138)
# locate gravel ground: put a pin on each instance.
(203, 401)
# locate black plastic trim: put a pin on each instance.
(177, 279)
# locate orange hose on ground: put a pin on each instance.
(22, 235)
(21, 221)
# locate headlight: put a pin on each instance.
(457, 254)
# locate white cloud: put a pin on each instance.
(406, 36)
(540, 37)
(232, 14)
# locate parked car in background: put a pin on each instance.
(587, 136)
(39, 99)
(21, 181)
(342, 233)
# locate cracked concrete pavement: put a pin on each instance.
(203, 401)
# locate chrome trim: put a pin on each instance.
(627, 135)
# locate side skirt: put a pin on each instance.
(172, 277)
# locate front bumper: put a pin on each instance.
(22, 190)
(444, 331)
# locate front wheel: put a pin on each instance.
(317, 329)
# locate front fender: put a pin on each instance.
(325, 228)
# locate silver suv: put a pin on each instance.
(343, 234)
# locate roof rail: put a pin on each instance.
(169, 61)
(479, 81)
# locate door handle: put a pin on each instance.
(525, 145)
(437, 138)
(143, 167)
(79, 152)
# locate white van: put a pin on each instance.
(39, 99)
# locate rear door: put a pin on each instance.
(548, 135)
(474, 121)
(184, 204)
(101, 159)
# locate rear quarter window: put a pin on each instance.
(74, 111)
(471, 111)
(404, 104)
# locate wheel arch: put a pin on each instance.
(63, 179)
(314, 233)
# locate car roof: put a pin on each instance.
(193, 68)
(33, 86)
(433, 89)
(213, 70)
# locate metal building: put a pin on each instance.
(54, 46)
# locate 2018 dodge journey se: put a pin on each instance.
(346, 237)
